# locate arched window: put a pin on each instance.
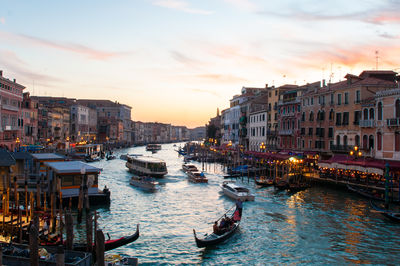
(371, 142)
(357, 140)
(371, 114)
(337, 140)
(344, 140)
(311, 116)
(380, 111)
(397, 108)
(331, 115)
(365, 114)
(365, 142)
(397, 141)
(379, 140)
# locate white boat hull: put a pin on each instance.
(243, 196)
(148, 185)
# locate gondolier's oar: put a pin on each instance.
(226, 212)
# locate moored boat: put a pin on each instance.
(218, 237)
(264, 181)
(144, 182)
(146, 165)
(392, 215)
(153, 147)
(235, 191)
(113, 243)
(197, 177)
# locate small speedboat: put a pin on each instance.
(235, 191)
(189, 168)
(144, 182)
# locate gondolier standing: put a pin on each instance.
(239, 206)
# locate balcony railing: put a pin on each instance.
(286, 132)
(393, 122)
(271, 132)
(10, 107)
(342, 148)
(367, 123)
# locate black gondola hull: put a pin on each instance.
(201, 243)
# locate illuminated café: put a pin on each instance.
(359, 170)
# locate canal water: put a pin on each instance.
(316, 226)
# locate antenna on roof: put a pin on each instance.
(376, 58)
(331, 75)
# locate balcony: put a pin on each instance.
(367, 123)
(341, 148)
(287, 114)
(271, 133)
(393, 122)
(10, 128)
(286, 132)
(10, 107)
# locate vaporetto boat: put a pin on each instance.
(146, 166)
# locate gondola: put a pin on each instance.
(297, 187)
(282, 185)
(394, 216)
(214, 239)
(364, 193)
(264, 182)
(113, 243)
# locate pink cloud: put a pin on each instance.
(2, 20)
(68, 47)
(181, 6)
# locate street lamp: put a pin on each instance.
(17, 141)
(262, 146)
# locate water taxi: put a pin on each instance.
(146, 165)
(153, 147)
(197, 177)
(144, 182)
(235, 191)
(189, 167)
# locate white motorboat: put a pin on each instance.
(197, 177)
(189, 168)
(144, 182)
(235, 191)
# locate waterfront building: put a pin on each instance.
(11, 121)
(225, 125)
(258, 120)
(198, 133)
(114, 120)
(289, 117)
(79, 123)
(244, 100)
(387, 121)
(272, 118)
(214, 128)
(30, 120)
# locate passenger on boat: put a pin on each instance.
(236, 216)
(239, 206)
(215, 228)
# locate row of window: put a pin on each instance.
(340, 99)
(9, 88)
(257, 118)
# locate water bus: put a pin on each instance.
(146, 165)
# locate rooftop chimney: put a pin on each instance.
(14, 80)
(1, 73)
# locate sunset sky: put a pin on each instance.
(177, 61)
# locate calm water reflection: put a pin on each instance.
(318, 226)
